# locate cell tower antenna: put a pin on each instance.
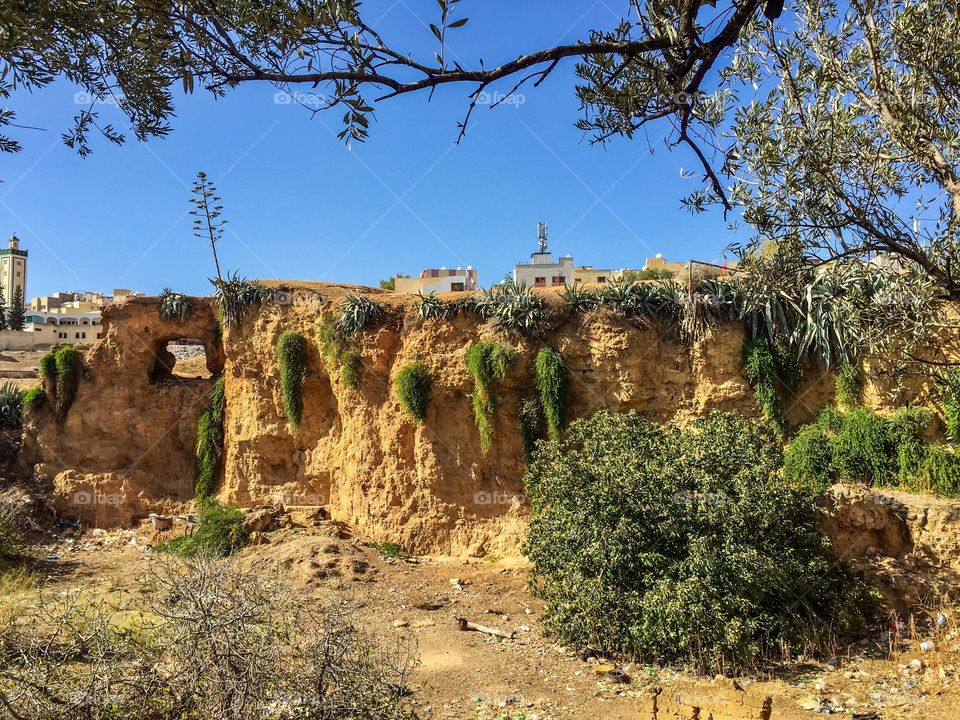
(542, 235)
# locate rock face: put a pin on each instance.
(127, 446)
(907, 545)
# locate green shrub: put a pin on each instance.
(906, 428)
(830, 419)
(34, 397)
(350, 367)
(412, 385)
(808, 459)
(681, 544)
(68, 363)
(11, 404)
(210, 442)
(760, 369)
(390, 550)
(48, 369)
(949, 388)
(220, 533)
(848, 386)
(940, 473)
(292, 357)
(553, 380)
(487, 362)
(531, 427)
(862, 449)
(174, 305)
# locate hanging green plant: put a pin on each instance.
(210, 442)
(338, 353)
(553, 381)
(412, 385)
(949, 388)
(531, 427)
(292, 356)
(67, 362)
(760, 369)
(848, 386)
(487, 362)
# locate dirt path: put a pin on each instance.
(473, 675)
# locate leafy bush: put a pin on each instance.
(849, 385)
(531, 427)
(905, 429)
(808, 459)
(338, 353)
(681, 544)
(174, 305)
(68, 363)
(292, 357)
(949, 388)
(48, 371)
(11, 404)
(412, 385)
(357, 312)
(940, 473)
(487, 362)
(210, 442)
(862, 449)
(430, 306)
(553, 380)
(236, 295)
(220, 533)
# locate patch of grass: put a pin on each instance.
(390, 550)
(220, 533)
(68, 364)
(487, 362)
(210, 442)
(292, 357)
(412, 385)
(848, 386)
(553, 382)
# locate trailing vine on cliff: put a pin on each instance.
(292, 356)
(210, 442)
(60, 373)
(412, 385)
(849, 386)
(339, 354)
(487, 362)
(553, 381)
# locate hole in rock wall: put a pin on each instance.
(180, 360)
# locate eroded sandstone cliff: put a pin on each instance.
(127, 446)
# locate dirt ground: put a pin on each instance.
(464, 674)
(20, 367)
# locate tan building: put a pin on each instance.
(438, 280)
(13, 270)
(587, 274)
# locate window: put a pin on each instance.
(456, 287)
(557, 280)
(539, 281)
(601, 278)
(77, 336)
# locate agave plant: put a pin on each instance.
(712, 302)
(513, 306)
(430, 306)
(235, 295)
(357, 312)
(174, 305)
(579, 299)
(11, 404)
(468, 304)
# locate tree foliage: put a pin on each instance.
(16, 315)
(682, 544)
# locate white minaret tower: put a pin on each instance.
(13, 270)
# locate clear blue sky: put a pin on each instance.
(302, 206)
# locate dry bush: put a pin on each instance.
(208, 641)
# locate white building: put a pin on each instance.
(73, 328)
(543, 270)
(13, 271)
(438, 280)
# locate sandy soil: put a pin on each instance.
(472, 675)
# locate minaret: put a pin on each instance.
(13, 270)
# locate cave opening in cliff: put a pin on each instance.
(180, 360)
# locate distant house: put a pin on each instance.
(438, 280)
(544, 271)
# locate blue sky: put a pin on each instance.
(303, 206)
